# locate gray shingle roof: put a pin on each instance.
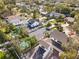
(59, 36)
(69, 19)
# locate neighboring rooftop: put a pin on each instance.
(39, 53)
(60, 36)
(69, 19)
(55, 14)
(43, 43)
(15, 20)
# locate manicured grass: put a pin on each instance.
(54, 28)
(53, 22)
(62, 22)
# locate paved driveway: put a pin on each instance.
(39, 34)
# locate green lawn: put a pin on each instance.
(53, 22)
(54, 28)
(62, 22)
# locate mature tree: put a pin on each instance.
(75, 26)
(9, 2)
(58, 26)
(49, 8)
(2, 55)
(72, 44)
(23, 32)
(73, 13)
(6, 6)
(2, 37)
(69, 54)
(11, 27)
(36, 14)
(33, 41)
(46, 34)
(2, 6)
(63, 8)
(48, 24)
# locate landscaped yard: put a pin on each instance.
(51, 25)
(53, 22)
(62, 22)
(54, 28)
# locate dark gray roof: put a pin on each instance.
(39, 53)
(55, 14)
(60, 36)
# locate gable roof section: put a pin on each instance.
(59, 36)
(70, 19)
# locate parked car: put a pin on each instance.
(33, 24)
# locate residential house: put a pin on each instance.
(23, 4)
(45, 50)
(15, 20)
(58, 38)
(42, 51)
(5, 14)
(39, 53)
(54, 55)
(56, 15)
(69, 19)
(76, 8)
(41, 10)
(20, 3)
